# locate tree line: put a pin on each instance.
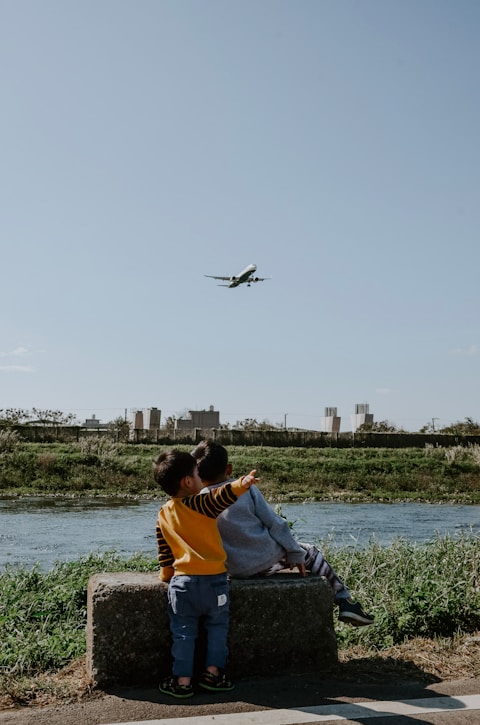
(49, 417)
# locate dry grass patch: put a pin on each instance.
(70, 684)
(451, 658)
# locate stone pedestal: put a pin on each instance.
(278, 625)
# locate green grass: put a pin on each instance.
(101, 467)
(43, 614)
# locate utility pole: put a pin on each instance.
(433, 424)
(285, 420)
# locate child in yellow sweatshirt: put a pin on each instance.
(192, 560)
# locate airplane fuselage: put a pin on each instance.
(243, 276)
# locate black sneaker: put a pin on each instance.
(217, 683)
(171, 687)
(351, 612)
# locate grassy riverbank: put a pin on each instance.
(430, 591)
(101, 467)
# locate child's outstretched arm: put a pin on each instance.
(214, 501)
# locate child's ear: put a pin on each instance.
(229, 469)
(186, 483)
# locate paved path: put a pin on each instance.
(298, 700)
(443, 709)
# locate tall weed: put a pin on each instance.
(429, 591)
(9, 440)
(475, 453)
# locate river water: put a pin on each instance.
(46, 530)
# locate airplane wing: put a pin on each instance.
(212, 276)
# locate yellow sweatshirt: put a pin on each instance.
(187, 533)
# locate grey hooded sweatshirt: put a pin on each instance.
(255, 537)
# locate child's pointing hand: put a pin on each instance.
(249, 480)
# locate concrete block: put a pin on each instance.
(278, 625)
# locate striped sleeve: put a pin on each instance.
(165, 556)
(213, 502)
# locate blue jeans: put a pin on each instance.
(189, 598)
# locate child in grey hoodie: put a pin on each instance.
(258, 541)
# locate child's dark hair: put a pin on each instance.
(212, 460)
(170, 467)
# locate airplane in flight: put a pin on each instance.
(245, 276)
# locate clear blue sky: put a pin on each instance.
(148, 143)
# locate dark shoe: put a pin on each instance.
(351, 612)
(171, 687)
(217, 683)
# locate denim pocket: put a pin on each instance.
(179, 595)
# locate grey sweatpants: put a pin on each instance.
(317, 564)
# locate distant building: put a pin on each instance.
(146, 419)
(151, 418)
(136, 418)
(361, 416)
(93, 422)
(202, 419)
(330, 423)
